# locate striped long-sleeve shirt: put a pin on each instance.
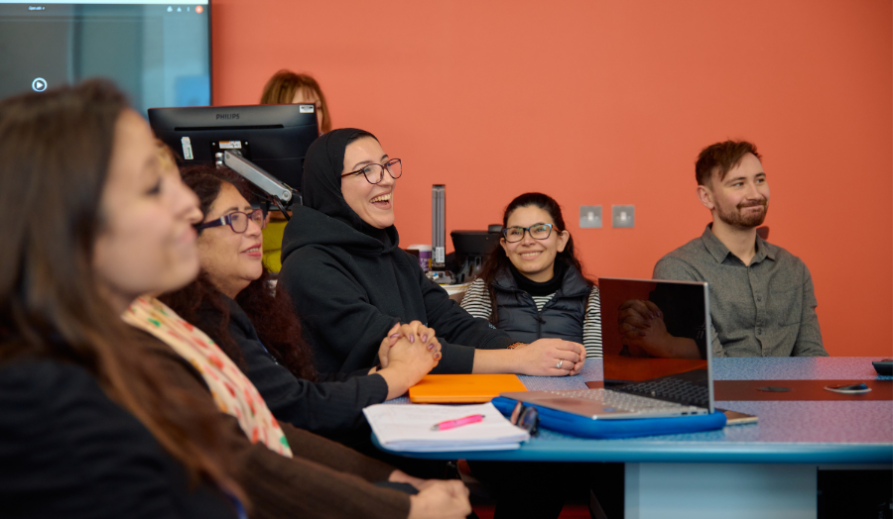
(477, 302)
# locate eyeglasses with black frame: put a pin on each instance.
(237, 221)
(374, 173)
(526, 418)
(538, 231)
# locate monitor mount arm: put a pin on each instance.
(279, 192)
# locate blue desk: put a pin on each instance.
(762, 470)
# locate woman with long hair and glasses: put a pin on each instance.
(233, 302)
(532, 285)
(100, 419)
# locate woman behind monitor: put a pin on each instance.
(286, 87)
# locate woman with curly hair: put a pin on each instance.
(233, 301)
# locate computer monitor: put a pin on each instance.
(274, 137)
(158, 53)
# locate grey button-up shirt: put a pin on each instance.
(765, 309)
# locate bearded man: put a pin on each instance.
(762, 301)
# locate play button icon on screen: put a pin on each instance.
(39, 84)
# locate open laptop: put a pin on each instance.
(657, 351)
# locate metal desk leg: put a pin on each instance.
(730, 491)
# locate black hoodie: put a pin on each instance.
(351, 283)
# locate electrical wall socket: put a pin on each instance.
(591, 216)
(623, 216)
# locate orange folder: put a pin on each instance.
(462, 389)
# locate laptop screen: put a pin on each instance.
(653, 331)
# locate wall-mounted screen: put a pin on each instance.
(157, 52)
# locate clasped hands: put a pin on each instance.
(408, 339)
(407, 353)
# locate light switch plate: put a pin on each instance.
(623, 215)
(591, 216)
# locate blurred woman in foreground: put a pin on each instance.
(89, 425)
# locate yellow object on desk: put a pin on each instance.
(462, 389)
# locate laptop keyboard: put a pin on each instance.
(625, 401)
(670, 389)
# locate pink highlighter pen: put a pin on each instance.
(458, 422)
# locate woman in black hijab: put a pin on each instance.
(350, 282)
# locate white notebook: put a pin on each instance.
(407, 428)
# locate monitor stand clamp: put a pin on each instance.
(279, 192)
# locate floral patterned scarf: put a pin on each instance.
(233, 393)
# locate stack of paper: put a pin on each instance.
(407, 428)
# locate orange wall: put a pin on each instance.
(609, 102)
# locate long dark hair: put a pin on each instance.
(497, 261)
(271, 312)
(55, 150)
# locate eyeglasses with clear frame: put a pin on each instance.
(374, 173)
(237, 221)
(538, 231)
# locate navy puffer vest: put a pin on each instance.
(560, 318)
